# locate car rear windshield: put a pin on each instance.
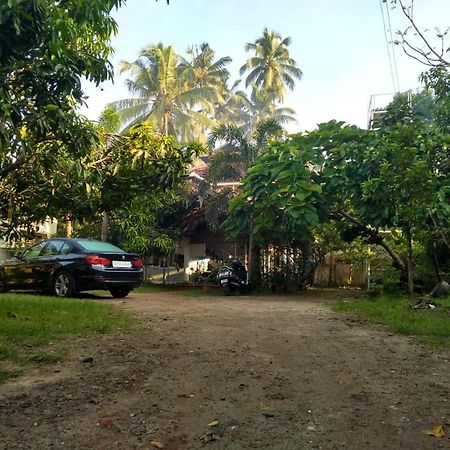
(98, 246)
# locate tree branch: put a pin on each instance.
(440, 58)
(375, 238)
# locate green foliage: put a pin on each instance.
(188, 96)
(139, 230)
(279, 192)
(286, 188)
(108, 178)
(46, 49)
(237, 151)
(109, 120)
(438, 79)
(365, 181)
(387, 281)
(230, 162)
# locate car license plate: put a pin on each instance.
(121, 264)
(223, 281)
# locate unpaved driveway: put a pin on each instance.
(275, 373)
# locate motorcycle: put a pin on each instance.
(233, 277)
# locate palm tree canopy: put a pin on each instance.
(202, 68)
(163, 95)
(236, 151)
(271, 67)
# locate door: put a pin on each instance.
(25, 270)
(44, 266)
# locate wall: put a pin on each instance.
(336, 273)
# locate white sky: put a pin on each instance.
(338, 44)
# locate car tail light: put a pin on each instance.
(97, 260)
(137, 263)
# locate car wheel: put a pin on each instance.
(63, 285)
(119, 292)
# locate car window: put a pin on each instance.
(52, 248)
(65, 249)
(98, 246)
(34, 251)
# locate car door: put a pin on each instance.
(45, 264)
(26, 268)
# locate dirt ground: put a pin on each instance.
(234, 373)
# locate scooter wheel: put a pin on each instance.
(226, 289)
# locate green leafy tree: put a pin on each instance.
(46, 50)
(237, 151)
(246, 113)
(108, 179)
(368, 182)
(437, 79)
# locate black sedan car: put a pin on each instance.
(66, 266)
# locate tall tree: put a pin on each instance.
(204, 70)
(271, 67)
(164, 95)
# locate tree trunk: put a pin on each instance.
(166, 124)
(409, 260)
(105, 226)
(374, 238)
(396, 260)
(330, 272)
(68, 224)
(10, 209)
(254, 275)
(437, 267)
(164, 275)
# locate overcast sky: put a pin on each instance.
(339, 45)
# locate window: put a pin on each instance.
(52, 248)
(65, 249)
(98, 246)
(34, 251)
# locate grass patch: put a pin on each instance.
(51, 356)
(30, 324)
(431, 326)
(7, 374)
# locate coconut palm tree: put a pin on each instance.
(262, 107)
(234, 108)
(271, 67)
(163, 95)
(203, 70)
(233, 152)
